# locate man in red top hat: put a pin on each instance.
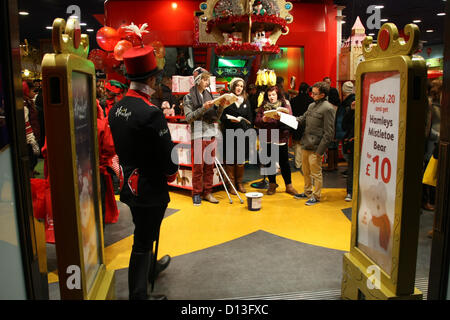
(143, 143)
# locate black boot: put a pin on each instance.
(161, 265)
(263, 184)
(137, 276)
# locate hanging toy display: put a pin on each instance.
(258, 8)
(266, 77)
(260, 22)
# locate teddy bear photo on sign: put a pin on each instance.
(379, 224)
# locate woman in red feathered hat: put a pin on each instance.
(143, 143)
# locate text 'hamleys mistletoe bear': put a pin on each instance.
(116, 42)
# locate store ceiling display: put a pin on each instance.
(243, 27)
(427, 14)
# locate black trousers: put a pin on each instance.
(283, 161)
(147, 222)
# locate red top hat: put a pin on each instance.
(140, 63)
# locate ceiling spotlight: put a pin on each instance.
(174, 5)
(23, 13)
(441, 14)
(417, 21)
(49, 28)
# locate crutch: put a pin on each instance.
(223, 181)
(218, 164)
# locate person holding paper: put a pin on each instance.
(318, 121)
(238, 115)
(269, 118)
(201, 113)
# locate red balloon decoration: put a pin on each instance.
(122, 31)
(110, 62)
(134, 39)
(97, 56)
(159, 49)
(107, 38)
(121, 47)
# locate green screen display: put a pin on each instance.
(236, 63)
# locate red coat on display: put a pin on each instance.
(106, 153)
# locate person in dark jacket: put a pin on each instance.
(39, 103)
(32, 128)
(164, 93)
(274, 100)
(143, 144)
(332, 152)
(242, 110)
(348, 125)
(299, 106)
(318, 121)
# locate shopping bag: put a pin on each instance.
(430, 175)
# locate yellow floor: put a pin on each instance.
(195, 228)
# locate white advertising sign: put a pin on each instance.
(378, 165)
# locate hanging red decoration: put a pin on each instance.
(230, 20)
(160, 51)
(97, 56)
(107, 38)
(135, 33)
(134, 39)
(110, 62)
(245, 49)
(121, 47)
(122, 32)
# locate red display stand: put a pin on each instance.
(181, 135)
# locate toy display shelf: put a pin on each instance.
(185, 169)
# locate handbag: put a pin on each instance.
(347, 146)
(430, 175)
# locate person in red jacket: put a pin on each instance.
(106, 153)
(114, 93)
